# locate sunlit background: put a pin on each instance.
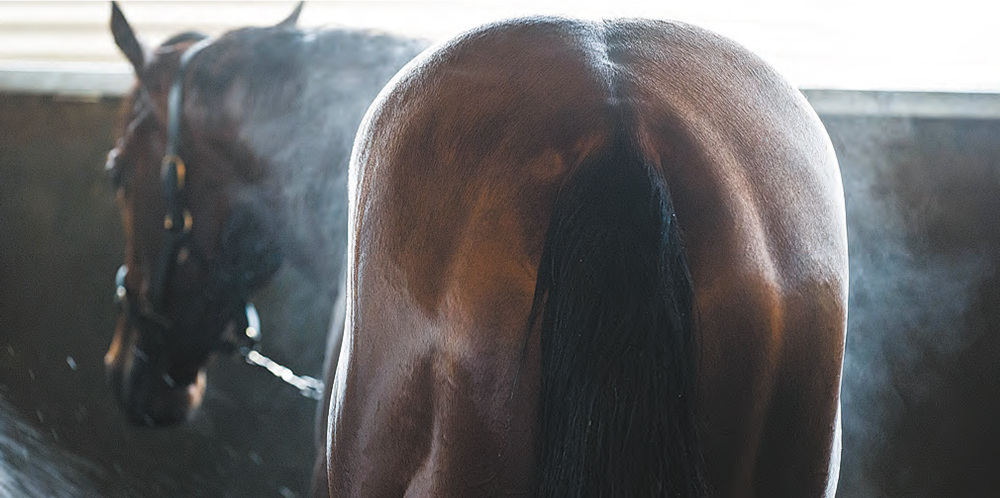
(819, 44)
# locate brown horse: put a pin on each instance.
(232, 158)
(591, 259)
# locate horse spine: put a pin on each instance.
(614, 299)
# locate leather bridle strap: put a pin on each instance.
(175, 99)
(178, 221)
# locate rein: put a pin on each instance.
(177, 249)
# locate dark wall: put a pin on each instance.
(921, 386)
(922, 378)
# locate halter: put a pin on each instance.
(177, 249)
(178, 221)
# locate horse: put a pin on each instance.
(231, 161)
(591, 258)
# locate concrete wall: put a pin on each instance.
(921, 389)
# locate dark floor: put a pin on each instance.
(922, 380)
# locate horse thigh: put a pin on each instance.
(799, 452)
(769, 389)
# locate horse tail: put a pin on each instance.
(614, 300)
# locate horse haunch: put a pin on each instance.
(591, 259)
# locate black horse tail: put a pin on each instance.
(614, 297)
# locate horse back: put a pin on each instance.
(458, 171)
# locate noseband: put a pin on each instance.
(178, 248)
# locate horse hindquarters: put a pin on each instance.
(614, 297)
(501, 174)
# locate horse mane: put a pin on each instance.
(615, 304)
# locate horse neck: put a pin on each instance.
(305, 141)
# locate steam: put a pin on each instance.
(307, 137)
(908, 301)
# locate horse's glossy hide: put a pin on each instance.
(455, 175)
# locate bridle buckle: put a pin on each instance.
(173, 166)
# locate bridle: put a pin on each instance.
(177, 223)
(179, 247)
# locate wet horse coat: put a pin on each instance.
(591, 259)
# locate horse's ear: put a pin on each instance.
(125, 38)
(290, 21)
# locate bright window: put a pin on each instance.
(849, 44)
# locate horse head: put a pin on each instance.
(200, 232)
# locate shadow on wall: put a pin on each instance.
(921, 393)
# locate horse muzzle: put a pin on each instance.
(149, 394)
(158, 402)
